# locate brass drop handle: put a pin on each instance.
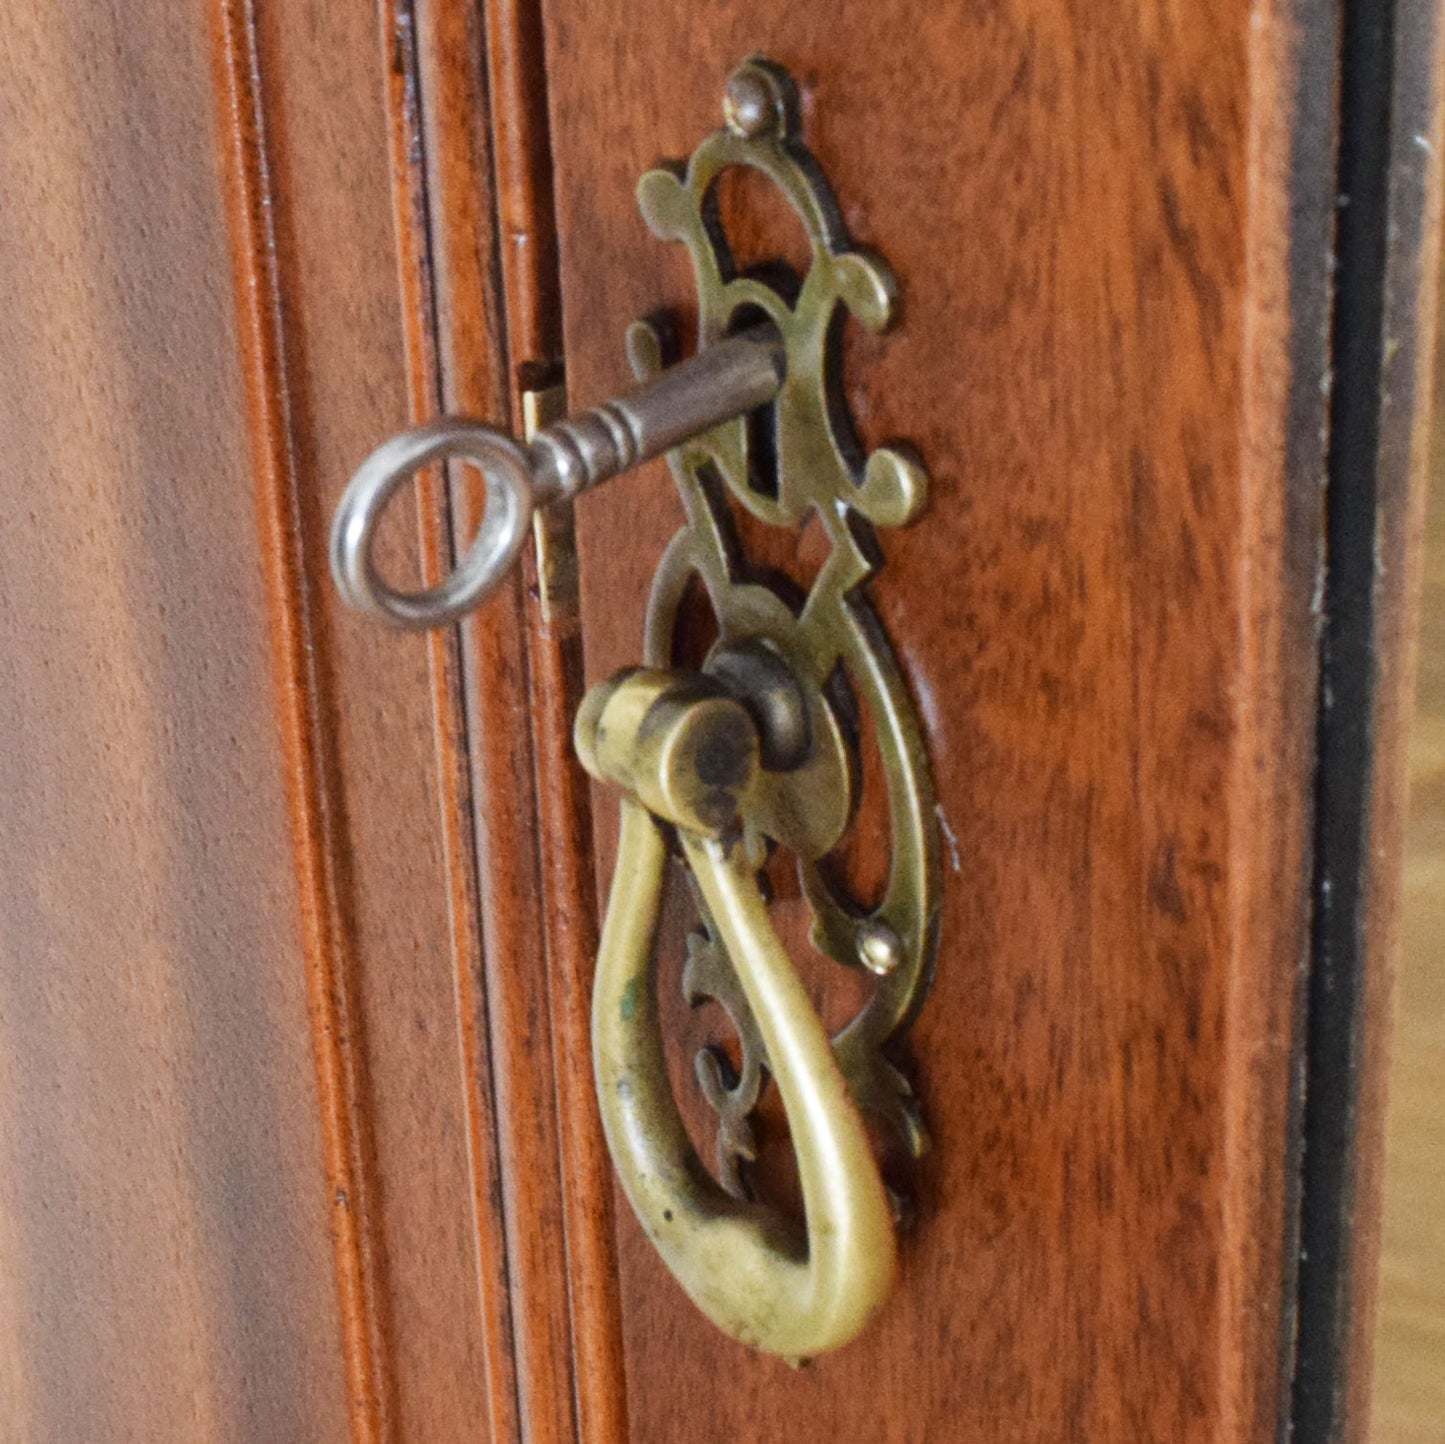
(758, 748)
(718, 384)
(689, 753)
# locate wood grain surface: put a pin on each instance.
(1112, 230)
(297, 918)
(165, 1265)
(477, 198)
(519, 1182)
(522, 157)
(327, 84)
(227, 804)
(328, 192)
(456, 268)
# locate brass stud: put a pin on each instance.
(879, 947)
(752, 103)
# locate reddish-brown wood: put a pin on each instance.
(340, 1062)
(334, 99)
(543, 936)
(297, 917)
(1112, 232)
(417, 279)
(522, 149)
(165, 1266)
(509, 1000)
(572, 932)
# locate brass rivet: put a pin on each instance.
(879, 947)
(751, 104)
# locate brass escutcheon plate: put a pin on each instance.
(758, 749)
(820, 473)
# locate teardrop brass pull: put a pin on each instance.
(688, 755)
(758, 748)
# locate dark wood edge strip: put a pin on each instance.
(445, 664)
(337, 1043)
(1289, 224)
(1387, 243)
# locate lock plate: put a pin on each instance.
(834, 637)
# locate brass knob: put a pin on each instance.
(676, 742)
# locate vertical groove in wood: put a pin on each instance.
(417, 285)
(522, 151)
(519, 1013)
(1287, 234)
(472, 342)
(337, 1043)
(487, 167)
(564, 801)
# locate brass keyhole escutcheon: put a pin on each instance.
(763, 700)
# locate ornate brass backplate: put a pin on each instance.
(755, 748)
(759, 750)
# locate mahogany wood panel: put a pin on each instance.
(338, 95)
(521, 146)
(1112, 228)
(459, 358)
(480, 145)
(359, 285)
(165, 1267)
(472, 301)
(296, 921)
(230, 802)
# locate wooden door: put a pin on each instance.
(297, 1132)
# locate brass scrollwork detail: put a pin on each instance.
(755, 751)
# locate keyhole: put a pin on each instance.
(761, 424)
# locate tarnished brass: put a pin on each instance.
(553, 533)
(678, 743)
(757, 749)
(675, 744)
(758, 1279)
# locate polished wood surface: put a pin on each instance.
(346, 240)
(166, 1270)
(331, 89)
(485, 148)
(1112, 233)
(251, 1187)
(492, 1234)
(297, 917)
